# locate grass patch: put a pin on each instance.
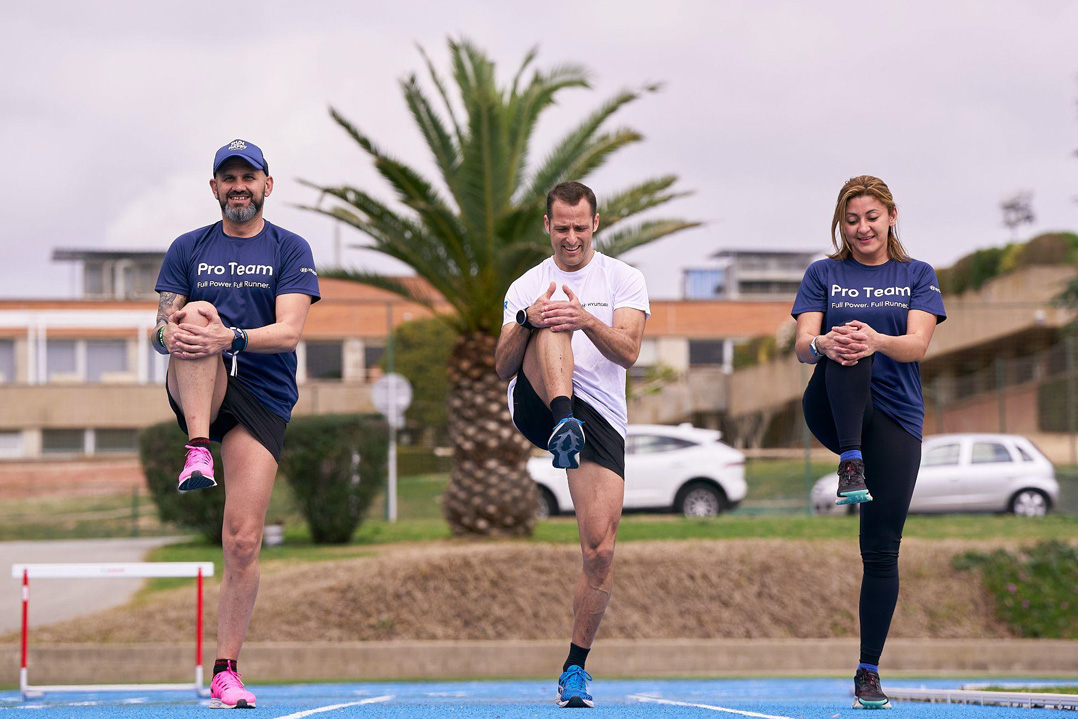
(775, 507)
(1035, 588)
(80, 517)
(642, 527)
(775, 479)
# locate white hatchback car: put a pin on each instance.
(683, 469)
(970, 473)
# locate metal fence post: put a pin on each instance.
(806, 438)
(1001, 378)
(1070, 398)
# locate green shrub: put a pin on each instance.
(1052, 397)
(758, 350)
(162, 455)
(415, 460)
(335, 465)
(1035, 589)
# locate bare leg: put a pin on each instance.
(548, 364)
(597, 495)
(249, 473)
(197, 385)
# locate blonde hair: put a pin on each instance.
(864, 186)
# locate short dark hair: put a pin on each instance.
(571, 193)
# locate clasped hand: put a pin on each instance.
(560, 315)
(192, 341)
(848, 343)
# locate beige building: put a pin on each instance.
(78, 377)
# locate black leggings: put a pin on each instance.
(838, 410)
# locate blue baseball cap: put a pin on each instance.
(248, 152)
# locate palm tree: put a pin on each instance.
(470, 237)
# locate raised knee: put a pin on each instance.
(193, 316)
(545, 335)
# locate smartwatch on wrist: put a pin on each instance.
(522, 320)
(812, 347)
(239, 342)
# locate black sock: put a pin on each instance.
(561, 407)
(577, 657)
(199, 442)
(223, 665)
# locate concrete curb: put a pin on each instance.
(354, 661)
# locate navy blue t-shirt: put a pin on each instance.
(241, 277)
(881, 296)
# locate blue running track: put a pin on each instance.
(635, 699)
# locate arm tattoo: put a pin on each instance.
(169, 303)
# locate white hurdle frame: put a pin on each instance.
(115, 570)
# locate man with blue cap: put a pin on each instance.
(239, 286)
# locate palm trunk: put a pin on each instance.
(490, 491)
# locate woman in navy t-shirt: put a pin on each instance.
(865, 316)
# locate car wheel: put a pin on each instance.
(547, 506)
(700, 499)
(1029, 503)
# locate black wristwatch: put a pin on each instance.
(522, 320)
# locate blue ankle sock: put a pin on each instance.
(869, 667)
(850, 454)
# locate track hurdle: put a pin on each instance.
(117, 570)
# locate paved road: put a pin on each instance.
(54, 600)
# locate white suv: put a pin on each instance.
(681, 469)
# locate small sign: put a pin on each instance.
(391, 395)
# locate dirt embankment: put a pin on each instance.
(698, 589)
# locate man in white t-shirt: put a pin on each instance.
(572, 326)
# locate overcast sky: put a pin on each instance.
(110, 113)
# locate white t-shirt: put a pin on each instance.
(602, 286)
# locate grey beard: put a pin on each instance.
(239, 216)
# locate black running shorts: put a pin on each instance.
(240, 406)
(602, 443)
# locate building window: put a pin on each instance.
(372, 356)
(325, 360)
(63, 441)
(11, 444)
(7, 360)
(706, 352)
(93, 286)
(62, 359)
(115, 440)
(705, 284)
(104, 357)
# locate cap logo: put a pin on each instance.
(237, 145)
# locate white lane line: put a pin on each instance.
(641, 698)
(319, 710)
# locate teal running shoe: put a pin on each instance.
(851, 482)
(573, 689)
(566, 441)
(867, 692)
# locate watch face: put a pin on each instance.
(522, 316)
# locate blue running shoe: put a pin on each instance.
(573, 688)
(565, 442)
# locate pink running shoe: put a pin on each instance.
(227, 692)
(197, 470)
